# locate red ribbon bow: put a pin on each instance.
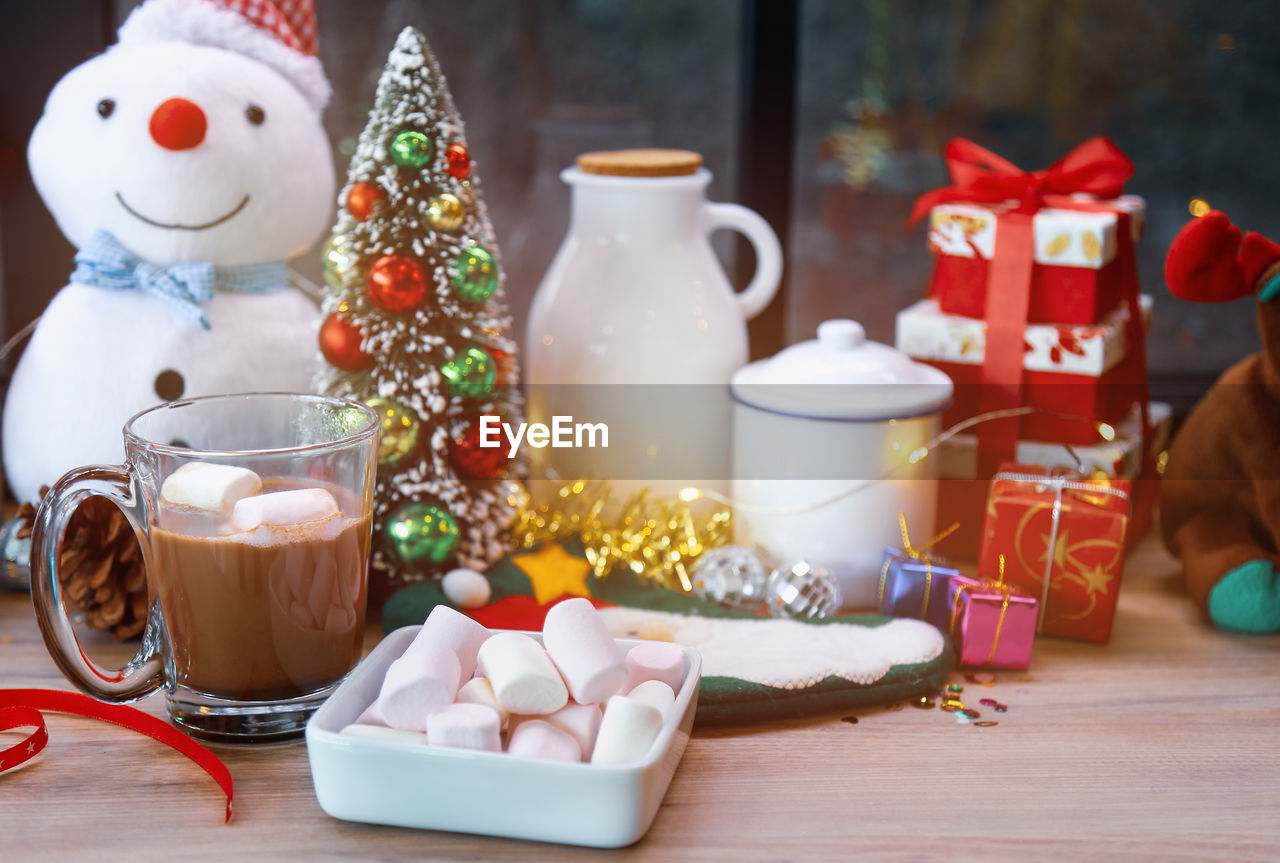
(1097, 167)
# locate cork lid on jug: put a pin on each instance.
(640, 163)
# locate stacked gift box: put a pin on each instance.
(1067, 307)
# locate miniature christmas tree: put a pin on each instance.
(416, 327)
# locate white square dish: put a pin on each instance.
(494, 794)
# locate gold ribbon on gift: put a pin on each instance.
(910, 552)
(1005, 591)
(1088, 489)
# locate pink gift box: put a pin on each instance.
(993, 625)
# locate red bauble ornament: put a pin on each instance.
(396, 283)
(472, 461)
(459, 160)
(362, 199)
(340, 344)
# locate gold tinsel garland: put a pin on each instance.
(658, 540)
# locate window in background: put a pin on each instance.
(538, 83)
(1185, 87)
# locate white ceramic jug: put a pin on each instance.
(636, 296)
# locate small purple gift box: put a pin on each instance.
(992, 624)
(914, 584)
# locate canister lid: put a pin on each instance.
(841, 375)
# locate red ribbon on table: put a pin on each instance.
(1097, 168)
(21, 708)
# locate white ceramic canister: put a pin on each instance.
(636, 325)
(827, 451)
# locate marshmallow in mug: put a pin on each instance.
(209, 487)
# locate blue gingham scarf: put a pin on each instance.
(104, 263)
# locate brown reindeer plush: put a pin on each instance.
(1220, 501)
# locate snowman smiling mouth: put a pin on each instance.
(178, 227)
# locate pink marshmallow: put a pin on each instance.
(390, 735)
(656, 660)
(466, 726)
(452, 629)
(536, 738)
(372, 716)
(582, 648)
(655, 693)
(417, 684)
(580, 720)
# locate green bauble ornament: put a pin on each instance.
(410, 149)
(338, 261)
(471, 375)
(421, 534)
(475, 275)
(401, 431)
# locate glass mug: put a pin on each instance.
(251, 627)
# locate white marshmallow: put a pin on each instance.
(627, 731)
(656, 660)
(209, 487)
(478, 690)
(295, 506)
(466, 588)
(452, 629)
(418, 684)
(582, 721)
(465, 726)
(523, 678)
(655, 693)
(379, 732)
(580, 645)
(534, 738)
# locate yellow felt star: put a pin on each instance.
(1059, 550)
(1097, 580)
(554, 572)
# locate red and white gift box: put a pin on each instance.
(1080, 373)
(1075, 276)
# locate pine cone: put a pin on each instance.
(100, 568)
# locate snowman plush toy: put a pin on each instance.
(186, 164)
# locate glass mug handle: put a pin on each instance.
(144, 674)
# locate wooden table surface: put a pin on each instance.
(1162, 745)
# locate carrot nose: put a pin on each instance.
(178, 124)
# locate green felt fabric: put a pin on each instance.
(1247, 599)
(721, 700)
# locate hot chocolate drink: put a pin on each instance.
(265, 601)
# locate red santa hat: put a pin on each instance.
(278, 33)
(1212, 261)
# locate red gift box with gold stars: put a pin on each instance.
(1062, 537)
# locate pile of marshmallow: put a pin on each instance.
(459, 685)
(227, 490)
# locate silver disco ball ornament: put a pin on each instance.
(731, 575)
(802, 591)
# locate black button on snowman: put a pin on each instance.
(186, 164)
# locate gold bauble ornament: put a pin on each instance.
(445, 213)
(401, 430)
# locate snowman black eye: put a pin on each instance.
(255, 114)
(105, 107)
